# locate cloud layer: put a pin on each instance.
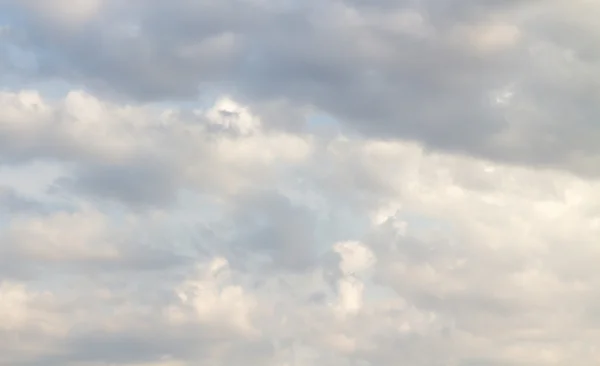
(334, 182)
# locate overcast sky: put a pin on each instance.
(299, 182)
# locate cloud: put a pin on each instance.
(460, 260)
(334, 182)
(437, 74)
(12, 202)
(138, 154)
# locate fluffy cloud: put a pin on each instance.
(140, 154)
(259, 182)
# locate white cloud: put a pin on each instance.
(350, 296)
(463, 254)
(63, 236)
(84, 131)
(214, 299)
(355, 257)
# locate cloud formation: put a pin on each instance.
(334, 182)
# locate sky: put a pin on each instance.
(299, 183)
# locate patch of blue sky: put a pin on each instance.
(22, 74)
(11, 22)
(9, 15)
(22, 59)
(322, 120)
(322, 124)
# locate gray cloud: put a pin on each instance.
(429, 72)
(137, 183)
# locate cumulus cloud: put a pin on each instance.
(260, 182)
(140, 154)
